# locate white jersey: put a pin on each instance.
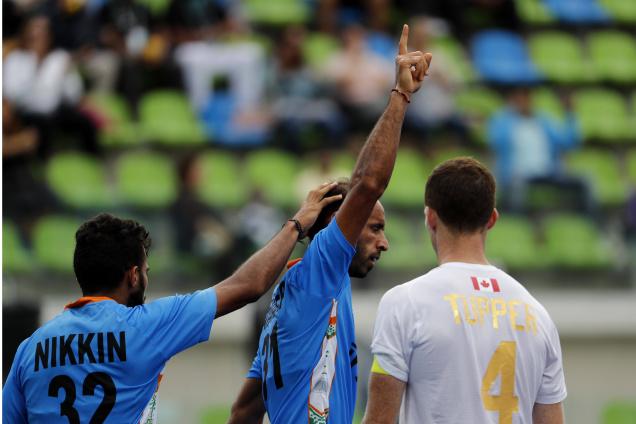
(472, 345)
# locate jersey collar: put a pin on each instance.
(293, 262)
(85, 300)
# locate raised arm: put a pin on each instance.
(385, 398)
(255, 277)
(375, 163)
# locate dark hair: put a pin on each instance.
(106, 247)
(325, 215)
(462, 192)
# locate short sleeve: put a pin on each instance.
(391, 346)
(325, 264)
(179, 322)
(256, 369)
(13, 401)
(552, 388)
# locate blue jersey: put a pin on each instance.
(307, 357)
(100, 361)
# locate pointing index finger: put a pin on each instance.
(404, 38)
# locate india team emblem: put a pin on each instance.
(485, 284)
(324, 372)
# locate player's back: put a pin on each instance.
(473, 345)
(100, 361)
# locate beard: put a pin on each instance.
(137, 298)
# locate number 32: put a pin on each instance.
(88, 389)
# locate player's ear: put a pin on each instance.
(133, 276)
(494, 216)
(430, 217)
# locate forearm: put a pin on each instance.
(376, 159)
(255, 277)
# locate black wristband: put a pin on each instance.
(299, 228)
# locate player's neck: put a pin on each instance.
(117, 295)
(461, 248)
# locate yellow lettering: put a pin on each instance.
(513, 315)
(497, 312)
(469, 316)
(531, 320)
(452, 298)
(483, 307)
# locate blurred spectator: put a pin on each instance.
(375, 14)
(25, 198)
(259, 221)
(200, 231)
(241, 62)
(192, 20)
(434, 108)
(45, 89)
(528, 147)
(322, 171)
(299, 103)
(143, 51)
(361, 78)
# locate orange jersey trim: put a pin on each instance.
(85, 300)
(293, 262)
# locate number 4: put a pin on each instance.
(502, 363)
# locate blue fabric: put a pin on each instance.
(136, 343)
(291, 340)
(500, 136)
(502, 57)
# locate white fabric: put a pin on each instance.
(531, 148)
(443, 352)
(40, 87)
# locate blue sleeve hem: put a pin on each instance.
(208, 326)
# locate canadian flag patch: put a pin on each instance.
(485, 284)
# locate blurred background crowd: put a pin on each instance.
(208, 120)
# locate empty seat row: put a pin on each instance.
(505, 57)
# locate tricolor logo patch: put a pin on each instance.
(485, 284)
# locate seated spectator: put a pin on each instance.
(299, 103)
(45, 89)
(25, 197)
(360, 77)
(434, 109)
(528, 147)
(200, 231)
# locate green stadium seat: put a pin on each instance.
(621, 10)
(54, 243)
(613, 55)
(409, 248)
(602, 114)
(573, 242)
(602, 171)
(15, 257)
(546, 101)
(156, 7)
(276, 12)
(318, 48)
(445, 154)
(478, 104)
(512, 243)
(343, 162)
(273, 172)
(166, 117)
(406, 189)
(222, 185)
(146, 180)
(120, 130)
(559, 56)
(79, 181)
(456, 57)
(631, 166)
(619, 413)
(534, 12)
